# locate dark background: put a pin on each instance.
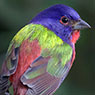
(14, 14)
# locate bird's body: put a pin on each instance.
(41, 54)
(42, 43)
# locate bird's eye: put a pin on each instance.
(64, 20)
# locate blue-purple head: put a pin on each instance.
(64, 21)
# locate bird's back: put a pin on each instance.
(31, 42)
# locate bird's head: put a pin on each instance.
(64, 21)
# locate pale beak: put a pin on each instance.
(81, 24)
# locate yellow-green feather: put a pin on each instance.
(47, 38)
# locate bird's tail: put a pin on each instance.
(4, 85)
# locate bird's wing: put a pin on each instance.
(31, 32)
(46, 73)
(12, 56)
(39, 81)
(10, 64)
(11, 60)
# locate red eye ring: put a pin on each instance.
(64, 20)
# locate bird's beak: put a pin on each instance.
(81, 24)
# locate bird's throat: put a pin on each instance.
(75, 36)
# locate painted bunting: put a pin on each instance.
(41, 54)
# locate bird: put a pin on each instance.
(41, 54)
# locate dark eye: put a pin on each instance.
(64, 20)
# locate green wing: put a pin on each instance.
(47, 72)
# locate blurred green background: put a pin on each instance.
(14, 14)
